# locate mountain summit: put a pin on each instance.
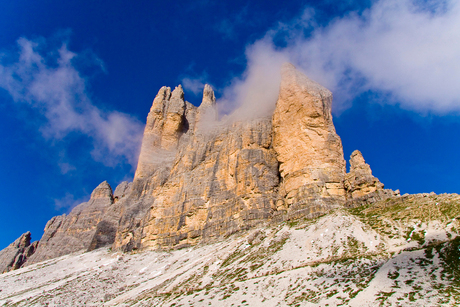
(200, 180)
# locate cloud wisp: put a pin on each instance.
(408, 51)
(51, 85)
(68, 202)
(194, 85)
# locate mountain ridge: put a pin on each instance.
(200, 178)
(260, 211)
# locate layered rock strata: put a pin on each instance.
(307, 146)
(199, 178)
(219, 179)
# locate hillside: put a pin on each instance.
(402, 251)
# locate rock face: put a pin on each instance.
(308, 148)
(359, 181)
(220, 183)
(361, 185)
(216, 179)
(16, 254)
(199, 178)
(65, 234)
(166, 122)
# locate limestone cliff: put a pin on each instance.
(308, 148)
(199, 179)
(219, 178)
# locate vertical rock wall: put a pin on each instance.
(308, 148)
(199, 179)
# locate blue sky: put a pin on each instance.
(77, 79)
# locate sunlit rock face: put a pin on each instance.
(221, 178)
(361, 185)
(200, 178)
(221, 182)
(218, 179)
(359, 181)
(308, 148)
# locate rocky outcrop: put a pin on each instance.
(359, 181)
(220, 183)
(199, 179)
(308, 148)
(168, 119)
(225, 178)
(70, 233)
(123, 189)
(206, 117)
(362, 187)
(17, 253)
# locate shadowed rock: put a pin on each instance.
(15, 255)
(70, 233)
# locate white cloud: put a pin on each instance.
(68, 202)
(50, 84)
(195, 85)
(255, 93)
(409, 51)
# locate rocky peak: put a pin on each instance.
(208, 97)
(177, 94)
(166, 122)
(358, 164)
(293, 78)
(23, 241)
(360, 181)
(164, 94)
(17, 253)
(207, 111)
(102, 191)
(308, 148)
(76, 231)
(361, 185)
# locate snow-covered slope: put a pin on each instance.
(399, 252)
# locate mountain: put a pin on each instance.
(402, 251)
(218, 204)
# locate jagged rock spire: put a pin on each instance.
(166, 122)
(209, 99)
(16, 254)
(207, 111)
(177, 94)
(360, 181)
